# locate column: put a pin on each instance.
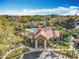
(45, 43)
(36, 43)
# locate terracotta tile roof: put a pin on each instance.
(44, 32)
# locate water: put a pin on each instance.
(33, 55)
(33, 30)
(36, 55)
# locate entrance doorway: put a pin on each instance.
(40, 43)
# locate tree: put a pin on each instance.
(68, 24)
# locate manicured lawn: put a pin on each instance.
(63, 46)
(15, 53)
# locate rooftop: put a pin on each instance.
(44, 33)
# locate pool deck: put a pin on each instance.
(45, 52)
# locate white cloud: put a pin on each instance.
(73, 7)
(72, 10)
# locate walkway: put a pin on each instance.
(58, 56)
(43, 54)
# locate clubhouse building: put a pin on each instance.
(42, 35)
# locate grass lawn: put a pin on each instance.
(63, 46)
(15, 53)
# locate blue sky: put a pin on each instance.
(33, 7)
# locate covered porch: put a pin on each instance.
(40, 43)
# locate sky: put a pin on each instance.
(39, 7)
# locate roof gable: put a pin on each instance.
(47, 33)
